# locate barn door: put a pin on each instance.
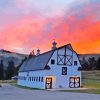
(74, 82)
(48, 84)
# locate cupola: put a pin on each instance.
(54, 45)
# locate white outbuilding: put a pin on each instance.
(58, 68)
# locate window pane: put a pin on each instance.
(52, 61)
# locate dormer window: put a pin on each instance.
(52, 61)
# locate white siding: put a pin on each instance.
(56, 70)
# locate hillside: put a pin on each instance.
(7, 56)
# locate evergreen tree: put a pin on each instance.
(92, 63)
(85, 65)
(10, 70)
(18, 67)
(98, 64)
(1, 70)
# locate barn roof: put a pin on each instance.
(36, 62)
(40, 62)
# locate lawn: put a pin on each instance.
(91, 81)
(7, 81)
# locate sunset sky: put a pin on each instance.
(30, 24)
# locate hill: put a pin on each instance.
(7, 56)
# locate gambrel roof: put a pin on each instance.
(36, 62)
(40, 62)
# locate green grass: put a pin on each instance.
(8, 81)
(91, 81)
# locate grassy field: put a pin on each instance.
(7, 81)
(91, 81)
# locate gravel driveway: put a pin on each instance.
(8, 92)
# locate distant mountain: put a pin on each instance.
(7, 56)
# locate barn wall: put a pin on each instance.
(32, 83)
(62, 81)
(59, 80)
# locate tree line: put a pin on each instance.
(11, 70)
(90, 64)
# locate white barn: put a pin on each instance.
(58, 68)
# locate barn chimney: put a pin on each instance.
(38, 52)
(54, 45)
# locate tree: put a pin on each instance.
(18, 67)
(10, 70)
(92, 63)
(98, 64)
(1, 70)
(85, 65)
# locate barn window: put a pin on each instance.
(32, 78)
(52, 61)
(64, 70)
(75, 63)
(41, 79)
